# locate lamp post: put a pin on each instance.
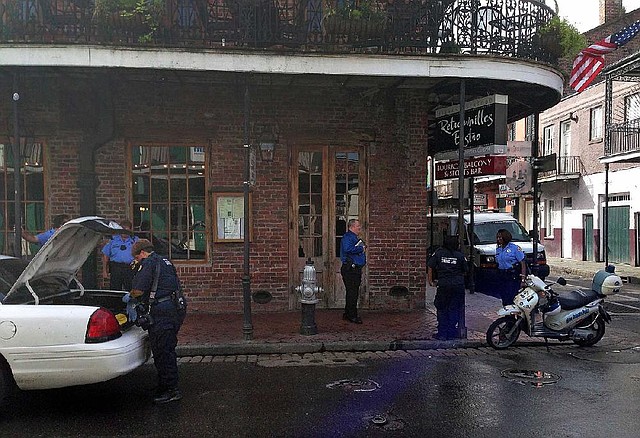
(17, 220)
(247, 325)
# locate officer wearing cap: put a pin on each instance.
(166, 314)
(117, 258)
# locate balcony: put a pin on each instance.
(483, 27)
(625, 140)
(567, 168)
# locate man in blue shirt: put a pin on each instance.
(352, 255)
(42, 238)
(117, 258)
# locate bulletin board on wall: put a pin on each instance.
(229, 217)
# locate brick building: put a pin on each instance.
(152, 126)
(573, 197)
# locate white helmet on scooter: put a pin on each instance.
(611, 285)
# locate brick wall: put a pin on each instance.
(390, 125)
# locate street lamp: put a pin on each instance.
(267, 140)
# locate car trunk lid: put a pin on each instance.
(64, 253)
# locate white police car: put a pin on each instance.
(53, 331)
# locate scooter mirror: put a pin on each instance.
(561, 281)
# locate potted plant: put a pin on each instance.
(140, 17)
(560, 39)
(355, 21)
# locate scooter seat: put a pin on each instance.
(577, 298)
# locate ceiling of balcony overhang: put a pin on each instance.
(524, 98)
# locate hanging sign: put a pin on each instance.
(476, 166)
(485, 123)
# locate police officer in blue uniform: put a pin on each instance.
(42, 238)
(117, 258)
(512, 268)
(353, 260)
(166, 308)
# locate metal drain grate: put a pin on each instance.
(355, 385)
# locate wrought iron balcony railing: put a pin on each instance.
(566, 167)
(625, 137)
(496, 27)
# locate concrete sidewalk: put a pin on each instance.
(276, 333)
(586, 269)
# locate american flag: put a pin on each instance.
(590, 61)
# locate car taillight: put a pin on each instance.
(103, 326)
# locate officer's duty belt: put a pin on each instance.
(161, 300)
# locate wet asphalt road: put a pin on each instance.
(454, 393)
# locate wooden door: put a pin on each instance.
(327, 191)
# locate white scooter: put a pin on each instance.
(539, 311)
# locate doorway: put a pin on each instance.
(619, 234)
(587, 237)
(328, 189)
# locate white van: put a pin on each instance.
(485, 228)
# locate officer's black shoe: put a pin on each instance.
(354, 319)
(345, 317)
(168, 396)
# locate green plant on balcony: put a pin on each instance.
(560, 39)
(360, 20)
(142, 17)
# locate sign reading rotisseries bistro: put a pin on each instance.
(485, 124)
(476, 166)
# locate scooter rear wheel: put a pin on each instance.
(598, 327)
(503, 332)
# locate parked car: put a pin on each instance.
(54, 332)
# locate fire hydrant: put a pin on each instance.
(308, 297)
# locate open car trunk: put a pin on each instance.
(49, 278)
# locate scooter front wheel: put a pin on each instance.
(503, 332)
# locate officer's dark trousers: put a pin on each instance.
(163, 336)
(120, 276)
(448, 302)
(509, 285)
(352, 277)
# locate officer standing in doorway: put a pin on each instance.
(157, 286)
(117, 258)
(352, 254)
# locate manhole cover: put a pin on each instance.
(533, 377)
(385, 422)
(355, 385)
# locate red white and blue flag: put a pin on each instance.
(590, 61)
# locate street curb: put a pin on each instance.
(583, 272)
(250, 348)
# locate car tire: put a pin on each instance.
(7, 383)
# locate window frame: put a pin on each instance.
(169, 231)
(548, 132)
(26, 201)
(632, 107)
(549, 206)
(596, 123)
(565, 138)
